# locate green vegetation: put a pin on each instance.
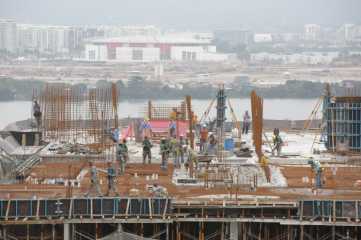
(11, 89)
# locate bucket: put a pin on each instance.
(229, 145)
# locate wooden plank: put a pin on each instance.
(150, 207)
(23, 143)
(7, 210)
(334, 208)
(36, 140)
(70, 208)
(126, 212)
(301, 214)
(91, 208)
(165, 208)
(37, 209)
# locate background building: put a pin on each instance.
(349, 31)
(235, 36)
(311, 32)
(8, 35)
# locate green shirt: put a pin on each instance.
(165, 149)
(125, 147)
(277, 140)
(146, 145)
(111, 172)
(120, 152)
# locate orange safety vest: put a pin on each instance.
(194, 118)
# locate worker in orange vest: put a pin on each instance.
(194, 120)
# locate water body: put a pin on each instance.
(278, 109)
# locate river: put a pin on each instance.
(278, 109)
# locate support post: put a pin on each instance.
(4, 232)
(301, 235)
(333, 233)
(27, 232)
(66, 234)
(73, 231)
(177, 232)
(53, 231)
(234, 230)
(167, 236)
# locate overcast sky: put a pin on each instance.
(184, 14)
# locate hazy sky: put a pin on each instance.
(184, 14)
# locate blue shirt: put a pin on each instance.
(116, 134)
(246, 118)
(36, 108)
(145, 125)
(171, 125)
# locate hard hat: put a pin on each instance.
(204, 125)
(146, 119)
(181, 135)
(246, 111)
(91, 162)
(310, 161)
(174, 108)
(109, 161)
(146, 137)
(35, 100)
(185, 146)
(156, 184)
(120, 143)
(171, 117)
(274, 137)
(124, 139)
(192, 111)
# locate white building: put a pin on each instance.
(311, 31)
(266, 57)
(349, 31)
(294, 58)
(291, 37)
(262, 38)
(8, 35)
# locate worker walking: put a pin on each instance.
(194, 120)
(171, 127)
(203, 137)
(323, 135)
(147, 145)
(159, 191)
(145, 128)
(182, 142)
(126, 153)
(246, 122)
(277, 140)
(93, 180)
(173, 114)
(191, 155)
(165, 153)
(111, 179)
(36, 112)
(213, 143)
(174, 147)
(120, 158)
(317, 167)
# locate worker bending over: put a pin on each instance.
(159, 191)
(213, 143)
(93, 180)
(323, 135)
(145, 128)
(36, 112)
(191, 155)
(120, 158)
(171, 127)
(203, 137)
(165, 153)
(182, 142)
(317, 167)
(111, 179)
(277, 140)
(246, 122)
(147, 145)
(126, 153)
(174, 147)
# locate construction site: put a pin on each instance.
(243, 190)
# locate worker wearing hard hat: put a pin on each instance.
(174, 147)
(212, 143)
(145, 128)
(203, 136)
(126, 153)
(93, 180)
(317, 167)
(191, 155)
(147, 145)
(36, 112)
(277, 143)
(165, 153)
(182, 142)
(120, 158)
(111, 179)
(323, 135)
(194, 120)
(246, 122)
(159, 191)
(173, 114)
(171, 127)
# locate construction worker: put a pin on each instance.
(246, 122)
(93, 180)
(317, 167)
(323, 135)
(120, 159)
(36, 112)
(191, 155)
(173, 114)
(165, 153)
(111, 179)
(159, 191)
(203, 137)
(194, 120)
(213, 143)
(182, 142)
(277, 140)
(174, 147)
(126, 153)
(145, 128)
(147, 145)
(171, 127)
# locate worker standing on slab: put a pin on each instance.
(246, 122)
(93, 180)
(213, 143)
(174, 146)
(165, 153)
(145, 128)
(182, 142)
(147, 145)
(277, 140)
(317, 167)
(159, 191)
(126, 153)
(194, 120)
(36, 112)
(323, 135)
(171, 127)
(111, 179)
(120, 159)
(173, 114)
(203, 137)
(192, 156)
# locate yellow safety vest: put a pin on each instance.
(314, 165)
(192, 156)
(163, 193)
(175, 142)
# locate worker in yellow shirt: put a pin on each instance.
(173, 114)
(194, 120)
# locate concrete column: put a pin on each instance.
(73, 231)
(53, 232)
(66, 232)
(333, 233)
(301, 234)
(233, 230)
(4, 232)
(177, 232)
(167, 237)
